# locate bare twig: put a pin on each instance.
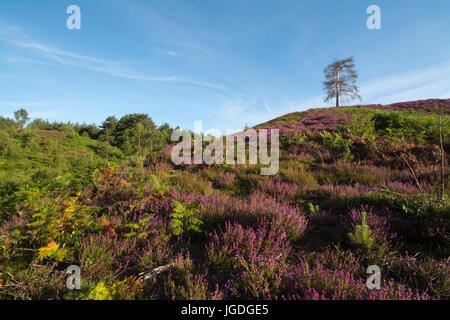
(385, 188)
(414, 175)
(442, 159)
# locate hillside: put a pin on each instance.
(357, 186)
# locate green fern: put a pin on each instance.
(184, 220)
(158, 185)
(313, 209)
(362, 234)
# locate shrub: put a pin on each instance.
(52, 251)
(97, 257)
(127, 289)
(225, 180)
(185, 283)
(227, 248)
(259, 279)
(424, 273)
(289, 222)
(296, 173)
(59, 219)
(36, 282)
(313, 281)
(337, 143)
(335, 258)
(281, 190)
(189, 182)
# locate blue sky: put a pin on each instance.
(225, 62)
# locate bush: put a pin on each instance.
(227, 248)
(97, 257)
(297, 173)
(337, 143)
(184, 282)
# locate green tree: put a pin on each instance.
(21, 117)
(137, 134)
(5, 140)
(108, 129)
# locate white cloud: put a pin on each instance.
(15, 37)
(11, 106)
(431, 82)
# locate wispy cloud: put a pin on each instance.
(423, 83)
(13, 35)
(171, 53)
(268, 109)
(16, 104)
(49, 114)
(235, 113)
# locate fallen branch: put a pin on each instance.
(150, 274)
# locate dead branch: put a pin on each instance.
(442, 159)
(150, 274)
(414, 175)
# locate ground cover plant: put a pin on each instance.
(357, 186)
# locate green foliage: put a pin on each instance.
(313, 209)
(362, 126)
(138, 229)
(135, 134)
(99, 292)
(52, 251)
(4, 142)
(298, 173)
(61, 219)
(337, 143)
(35, 282)
(294, 139)
(21, 117)
(190, 182)
(6, 123)
(423, 128)
(50, 159)
(158, 185)
(430, 215)
(362, 234)
(96, 259)
(132, 134)
(396, 125)
(183, 219)
(126, 289)
(186, 283)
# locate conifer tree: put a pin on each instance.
(341, 80)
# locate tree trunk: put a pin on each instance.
(337, 90)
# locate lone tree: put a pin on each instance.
(21, 117)
(341, 80)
